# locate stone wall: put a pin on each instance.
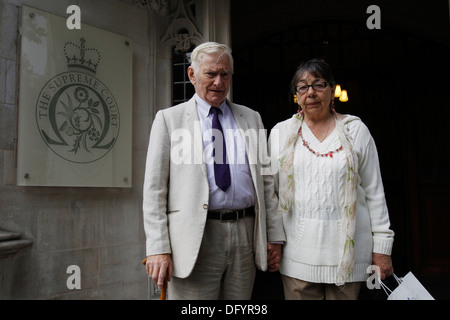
(98, 229)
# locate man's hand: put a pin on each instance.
(384, 262)
(274, 253)
(159, 267)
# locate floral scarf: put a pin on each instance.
(286, 189)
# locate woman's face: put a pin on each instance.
(314, 94)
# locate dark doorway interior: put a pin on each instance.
(397, 82)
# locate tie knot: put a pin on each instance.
(215, 111)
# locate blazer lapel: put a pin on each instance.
(250, 139)
(240, 120)
(195, 130)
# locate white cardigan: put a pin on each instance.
(312, 230)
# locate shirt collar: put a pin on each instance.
(204, 107)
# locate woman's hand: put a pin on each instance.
(384, 262)
(274, 253)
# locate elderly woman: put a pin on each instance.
(330, 194)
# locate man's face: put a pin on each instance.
(212, 81)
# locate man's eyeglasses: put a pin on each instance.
(317, 86)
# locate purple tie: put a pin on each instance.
(221, 169)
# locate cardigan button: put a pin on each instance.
(205, 206)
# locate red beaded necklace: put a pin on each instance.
(306, 144)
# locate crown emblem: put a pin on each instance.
(81, 57)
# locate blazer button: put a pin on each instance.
(205, 206)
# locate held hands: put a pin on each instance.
(274, 254)
(160, 268)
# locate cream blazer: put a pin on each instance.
(176, 190)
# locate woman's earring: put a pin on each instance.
(296, 102)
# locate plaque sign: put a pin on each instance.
(75, 105)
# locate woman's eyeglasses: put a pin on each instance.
(317, 86)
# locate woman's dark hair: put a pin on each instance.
(317, 67)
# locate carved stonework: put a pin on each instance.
(182, 32)
(11, 243)
(160, 7)
(182, 42)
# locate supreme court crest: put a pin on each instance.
(75, 108)
(76, 114)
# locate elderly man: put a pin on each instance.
(210, 212)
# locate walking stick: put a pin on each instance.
(163, 289)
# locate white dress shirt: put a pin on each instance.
(241, 192)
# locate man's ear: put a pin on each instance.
(191, 75)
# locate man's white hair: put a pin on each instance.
(208, 48)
